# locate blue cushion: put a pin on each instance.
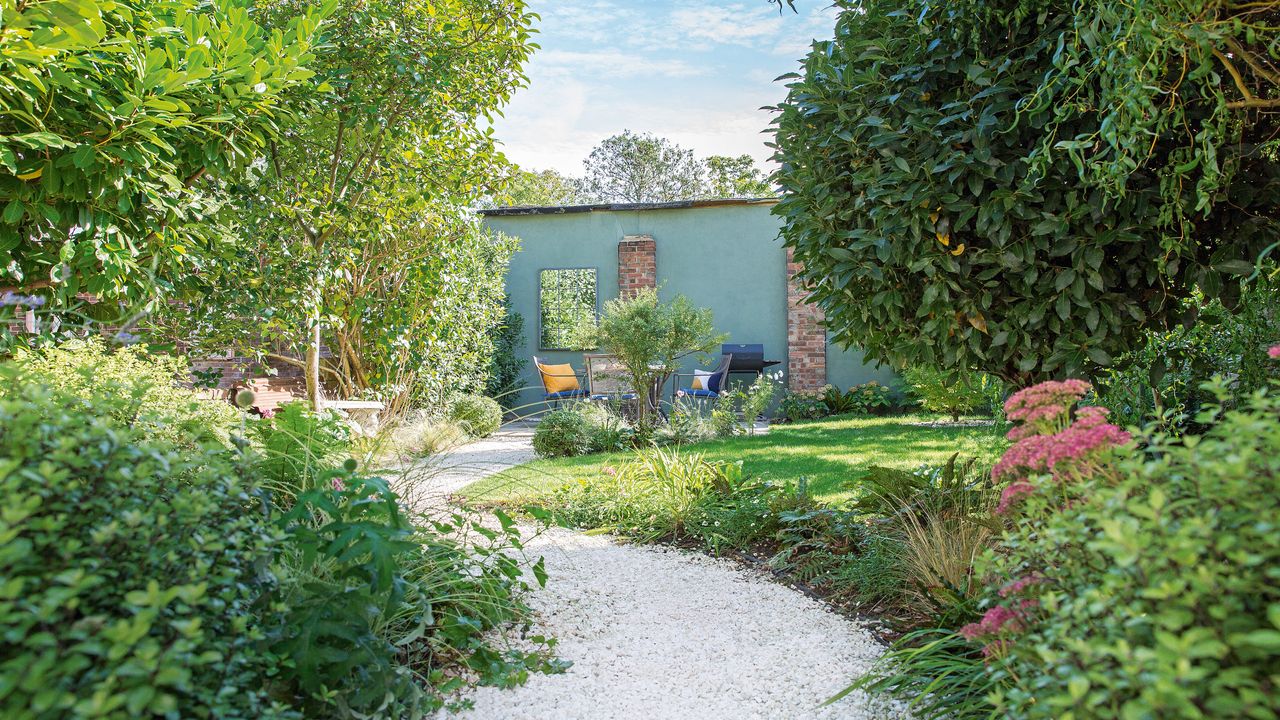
(566, 394)
(713, 382)
(624, 396)
(701, 393)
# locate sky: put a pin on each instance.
(694, 71)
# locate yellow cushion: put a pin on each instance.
(701, 380)
(558, 378)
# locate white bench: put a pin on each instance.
(362, 413)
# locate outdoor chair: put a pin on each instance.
(707, 384)
(559, 382)
(607, 379)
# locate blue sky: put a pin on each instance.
(695, 71)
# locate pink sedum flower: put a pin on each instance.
(997, 620)
(1059, 393)
(1274, 352)
(1012, 494)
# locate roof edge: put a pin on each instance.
(622, 207)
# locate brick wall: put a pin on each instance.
(637, 264)
(806, 338)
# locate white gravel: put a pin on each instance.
(656, 633)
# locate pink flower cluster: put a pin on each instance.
(1273, 352)
(1012, 493)
(999, 619)
(1017, 586)
(1054, 393)
(1036, 452)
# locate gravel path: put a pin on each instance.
(656, 633)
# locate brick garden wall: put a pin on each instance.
(637, 264)
(806, 338)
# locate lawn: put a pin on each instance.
(830, 452)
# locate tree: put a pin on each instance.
(635, 168)
(537, 189)
(354, 208)
(121, 122)
(650, 338)
(735, 177)
(1025, 188)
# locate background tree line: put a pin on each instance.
(638, 168)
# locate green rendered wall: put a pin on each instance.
(727, 258)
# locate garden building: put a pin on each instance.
(725, 255)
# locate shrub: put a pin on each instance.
(652, 497)
(749, 405)
(686, 425)
(506, 365)
(952, 394)
(562, 433)
(650, 337)
(1148, 582)
(369, 606)
(169, 410)
(865, 399)
(609, 431)
(297, 447)
(798, 406)
(1000, 186)
(130, 563)
(478, 415)
(1162, 377)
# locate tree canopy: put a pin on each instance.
(1025, 186)
(121, 121)
(351, 214)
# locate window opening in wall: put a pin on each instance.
(567, 299)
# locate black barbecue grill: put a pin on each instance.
(747, 358)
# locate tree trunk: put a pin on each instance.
(312, 364)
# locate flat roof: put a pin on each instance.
(600, 207)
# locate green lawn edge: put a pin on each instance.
(831, 453)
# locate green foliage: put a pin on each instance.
(950, 393)
(936, 672)
(655, 495)
(506, 365)
(687, 425)
(299, 448)
(649, 338)
(359, 232)
(121, 122)
(564, 432)
(1161, 379)
(956, 486)
(131, 565)
(585, 427)
(802, 406)
(639, 168)
(1025, 187)
(160, 403)
(1157, 581)
(750, 405)
(865, 399)
(528, 188)
(868, 398)
(478, 415)
(363, 588)
(735, 177)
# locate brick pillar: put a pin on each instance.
(806, 338)
(637, 264)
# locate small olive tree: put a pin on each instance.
(650, 338)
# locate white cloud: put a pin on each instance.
(608, 64)
(727, 23)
